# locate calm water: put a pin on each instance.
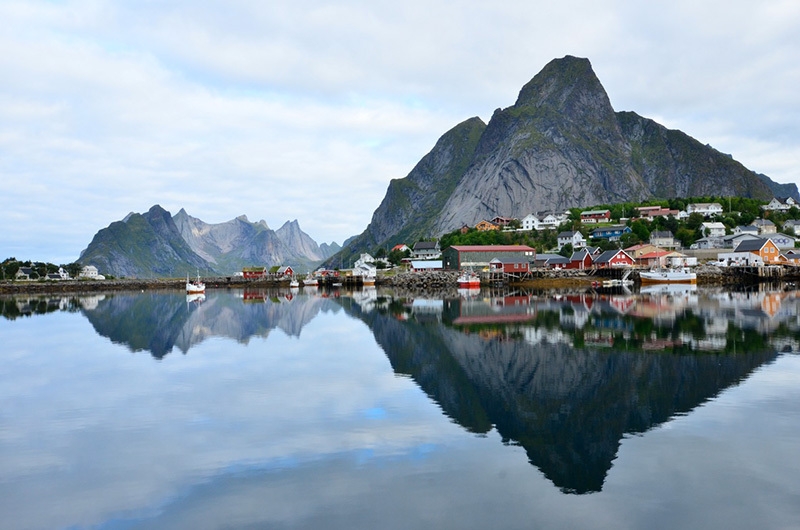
(270, 409)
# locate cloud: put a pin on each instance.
(307, 110)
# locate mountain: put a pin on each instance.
(156, 244)
(560, 145)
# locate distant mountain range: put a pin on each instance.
(560, 145)
(156, 244)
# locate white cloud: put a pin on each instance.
(307, 110)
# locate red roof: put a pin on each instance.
(493, 248)
(655, 254)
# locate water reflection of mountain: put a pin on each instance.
(159, 322)
(523, 366)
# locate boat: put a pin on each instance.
(468, 280)
(682, 275)
(195, 286)
(368, 279)
(294, 283)
(310, 281)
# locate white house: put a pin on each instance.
(427, 250)
(792, 226)
(780, 204)
(745, 229)
(543, 220)
(707, 209)
(573, 238)
(365, 259)
(90, 272)
(713, 229)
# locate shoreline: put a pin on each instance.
(432, 281)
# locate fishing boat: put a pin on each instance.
(310, 281)
(195, 286)
(468, 280)
(682, 275)
(294, 283)
(368, 279)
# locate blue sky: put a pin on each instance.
(306, 110)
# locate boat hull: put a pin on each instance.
(650, 278)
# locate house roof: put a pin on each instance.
(398, 247)
(762, 222)
(493, 248)
(662, 234)
(567, 233)
(419, 264)
(595, 212)
(426, 245)
(751, 245)
(655, 254)
(509, 260)
(608, 255)
(551, 259)
(580, 255)
(612, 228)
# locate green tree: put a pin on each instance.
(566, 250)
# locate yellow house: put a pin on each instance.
(763, 248)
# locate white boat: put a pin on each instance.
(195, 286)
(294, 283)
(682, 275)
(468, 280)
(310, 281)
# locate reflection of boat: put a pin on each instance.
(683, 275)
(195, 286)
(310, 281)
(195, 298)
(468, 280)
(669, 288)
(471, 292)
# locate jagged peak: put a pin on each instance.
(560, 83)
(243, 218)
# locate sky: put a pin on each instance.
(306, 110)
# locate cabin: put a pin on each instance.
(581, 259)
(765, 249)
(254, 273)
(792, 226)
(596, 216)
(458, 257)
(510, 265)
(285, 271)
(613, 259)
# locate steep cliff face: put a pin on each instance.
(560, 145)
